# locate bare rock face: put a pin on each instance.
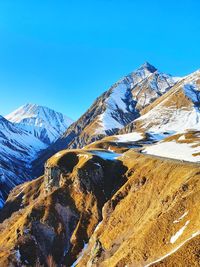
(52, 176)
(89, 178)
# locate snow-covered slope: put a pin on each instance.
(176, 111)
(44, 123)
(23, 134)
(131, 94)
(17, 149)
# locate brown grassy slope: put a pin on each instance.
(138, 220)
(144, 195)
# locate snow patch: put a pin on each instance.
(178, 234)
(18, 255)
(182, 137)
(192, 92)
(107, 155)
(180, 218)
(130, 137)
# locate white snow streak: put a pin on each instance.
(130, 137)
(178, 234)
(180, 218)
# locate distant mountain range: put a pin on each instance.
(44, 123)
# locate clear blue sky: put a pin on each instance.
(63, 54)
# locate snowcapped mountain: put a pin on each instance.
(44, 123)
(17, 149)
(118, 106)
(131, 94)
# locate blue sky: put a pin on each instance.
(63, 54)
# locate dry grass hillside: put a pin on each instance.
(134, 210)
(152, 220)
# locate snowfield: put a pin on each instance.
(131, 137)
(180, 151)
(119, 100)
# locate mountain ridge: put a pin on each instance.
(43, 122)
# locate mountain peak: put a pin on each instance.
(33, 110)
(43, 122)
(144, 71)
(148, 67)
(32, 107)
